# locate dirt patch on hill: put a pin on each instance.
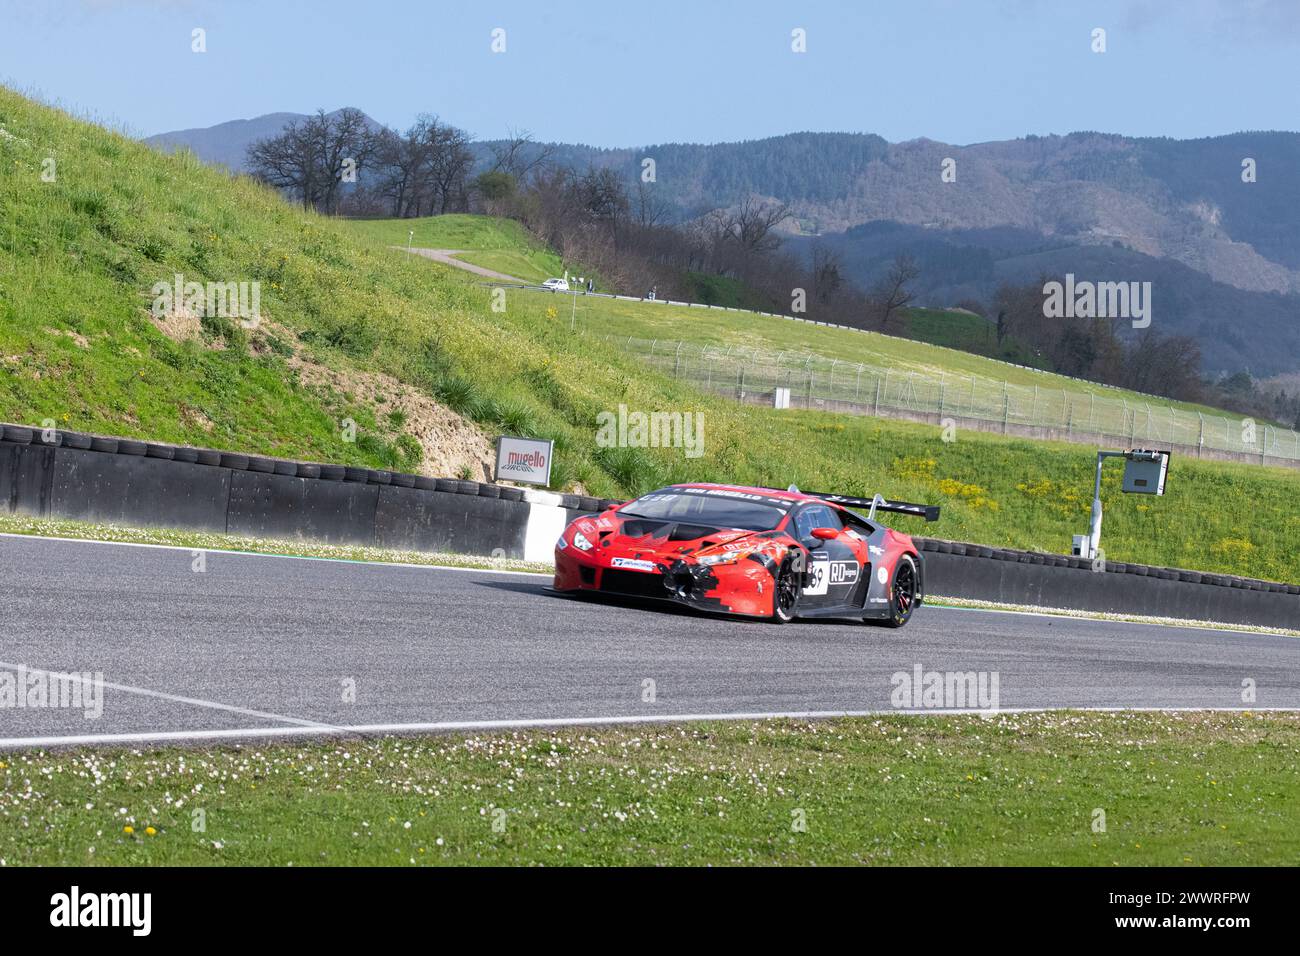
(453, 446)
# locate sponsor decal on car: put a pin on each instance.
(819, 577)
(632, 564)
(844, 572)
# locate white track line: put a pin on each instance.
(175, 698)
(260, 554)
(472, 726)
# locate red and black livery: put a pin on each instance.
(753, 552)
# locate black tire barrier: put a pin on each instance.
(142, 488)
(165, 452)
(403, 481)
(286, 468)
(377, 477)
(137, 490)
(411, 519)
(260, 465)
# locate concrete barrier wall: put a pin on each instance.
(144, 484)
(960, 570)
(121, 481)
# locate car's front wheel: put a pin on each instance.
(902, 592)
(785, 599)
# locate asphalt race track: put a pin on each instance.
(257, 643)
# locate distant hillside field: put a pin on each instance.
(412, 351)
(501, 245)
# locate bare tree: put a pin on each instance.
(753, 225)
(311, 158)
(827, 277)
(519, 155)
(890, 296)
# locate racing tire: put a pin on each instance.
(902, 592)
(785, 592)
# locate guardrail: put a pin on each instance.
(814, 381)
(1083, 416)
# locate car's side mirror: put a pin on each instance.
(613, 506)
(825, 534)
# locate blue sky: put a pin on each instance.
(633, 72)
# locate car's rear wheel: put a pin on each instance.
(785, 598)
(902, 592)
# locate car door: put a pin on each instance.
(834, 566)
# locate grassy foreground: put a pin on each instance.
(1169, 789)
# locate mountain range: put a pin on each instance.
(1212, 223)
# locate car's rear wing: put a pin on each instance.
(878, 503)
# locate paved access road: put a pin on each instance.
(257, 642)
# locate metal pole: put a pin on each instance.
(1094, 528)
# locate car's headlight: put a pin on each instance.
(580, 541)
(729, 557)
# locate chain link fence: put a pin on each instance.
(753, 376)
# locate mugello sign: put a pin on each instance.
(523, 459)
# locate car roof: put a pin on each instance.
(765, 492)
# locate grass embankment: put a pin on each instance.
(1182, 789)
(80, 255)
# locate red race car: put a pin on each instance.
(754, 552)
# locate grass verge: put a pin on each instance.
(1058, 788)
(209, 541)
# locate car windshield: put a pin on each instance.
(717, 509)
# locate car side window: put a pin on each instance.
(815, 516)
